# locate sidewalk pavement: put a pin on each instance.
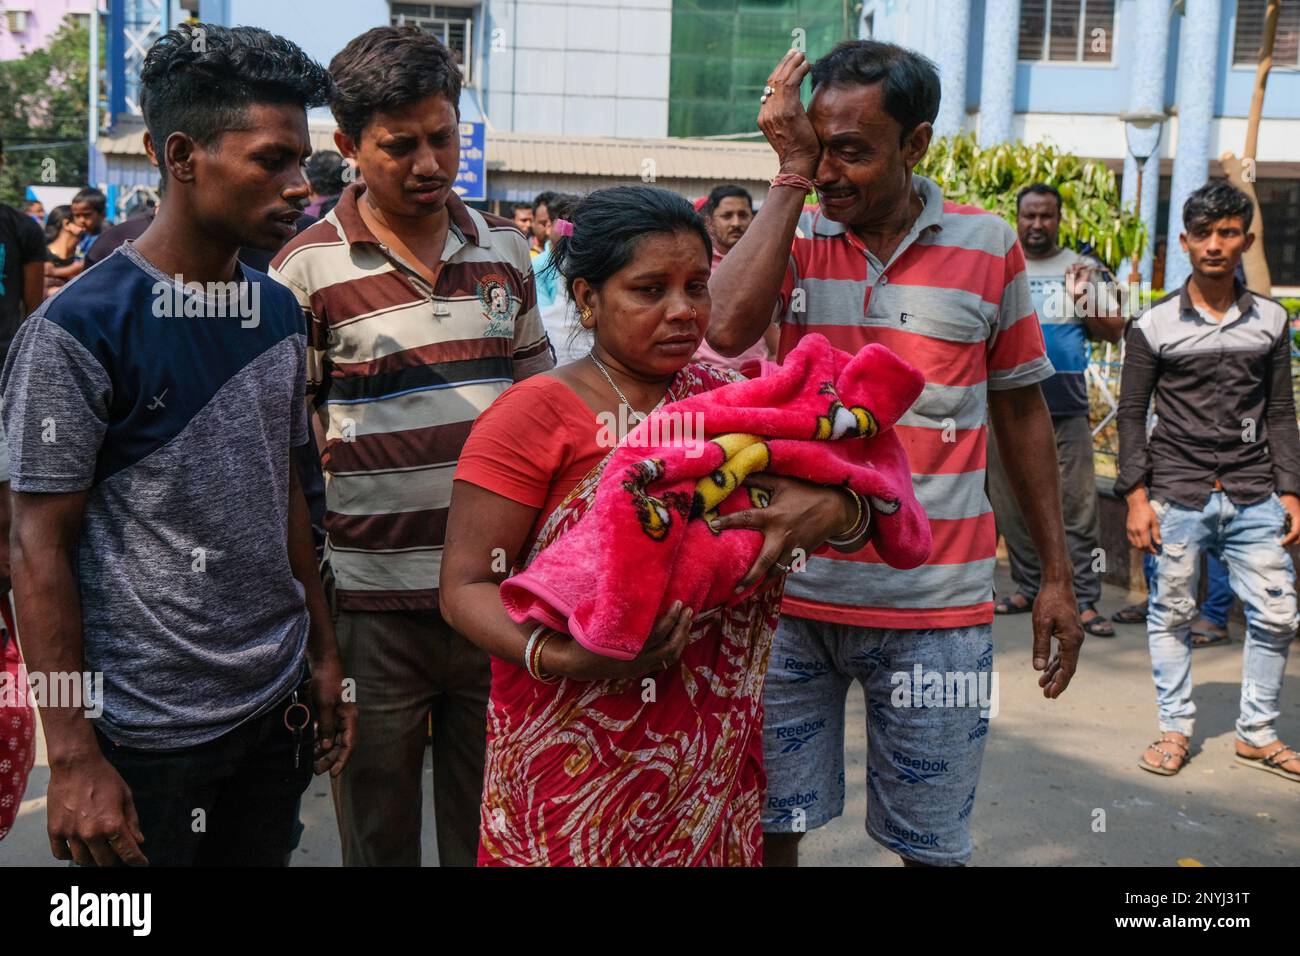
(1050, 766)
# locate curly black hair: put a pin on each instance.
(1217, 199)
(200, 79)
(386, 68)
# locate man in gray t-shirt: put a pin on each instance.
(1077, 300)
(174, 432)
(162, 545)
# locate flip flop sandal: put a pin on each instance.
(1007, 606)
(1271, 764)
(1133, 614)
(1098, 627)
(1210, 639)
(1166, 755)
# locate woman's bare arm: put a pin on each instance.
(485, 533)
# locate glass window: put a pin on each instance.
(454, 26)
(1033, 28)
(1063, 29)
(724, 50)
(1067, 31)
(1280, 201)
(1250, 34)
(1098, 30)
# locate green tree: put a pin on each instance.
(43, 100)
(1091, 211)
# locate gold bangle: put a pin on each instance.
(857, 528)
(533, 654)
(541, 675)
(530, 652)
(857, 519)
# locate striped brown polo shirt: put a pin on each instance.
(398, 370)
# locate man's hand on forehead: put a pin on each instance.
(782, 117)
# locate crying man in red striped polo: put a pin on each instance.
(886, 259)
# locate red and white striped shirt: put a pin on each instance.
(953, 301)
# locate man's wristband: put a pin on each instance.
(793, 179)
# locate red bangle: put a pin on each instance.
(793, 179)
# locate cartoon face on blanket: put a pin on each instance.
(823, 416)
(840, 421)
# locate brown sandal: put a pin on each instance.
(1008, 605)
(1165, 755)
(1210, 635)
(1272, 762)
(1133, 614)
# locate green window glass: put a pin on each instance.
(723, 51)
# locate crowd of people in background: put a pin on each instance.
(71, 230)
(282, 541)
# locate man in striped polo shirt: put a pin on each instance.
(420, 311)
(885, 259)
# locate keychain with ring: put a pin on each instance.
(297, 716)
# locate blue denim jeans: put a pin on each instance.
(1260, 572)
(1218, 592)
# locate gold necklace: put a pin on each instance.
(635, 416)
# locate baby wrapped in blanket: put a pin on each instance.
(823, 416)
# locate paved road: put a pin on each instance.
(1050, 765)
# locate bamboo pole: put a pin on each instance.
(1241, 172)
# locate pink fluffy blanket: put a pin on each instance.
(824, 416)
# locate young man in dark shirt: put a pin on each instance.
(1220, 472)
(161, 539)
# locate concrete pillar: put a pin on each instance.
(950, 56)
(998, 75)
(1147, 95)
(1198, 67)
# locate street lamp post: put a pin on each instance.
(1142, 137)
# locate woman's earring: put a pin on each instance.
(586, 318)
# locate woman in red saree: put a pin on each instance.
(657, 760)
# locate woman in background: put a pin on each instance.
(62, 233)
(569, 339)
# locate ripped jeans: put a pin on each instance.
(1245, 538)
